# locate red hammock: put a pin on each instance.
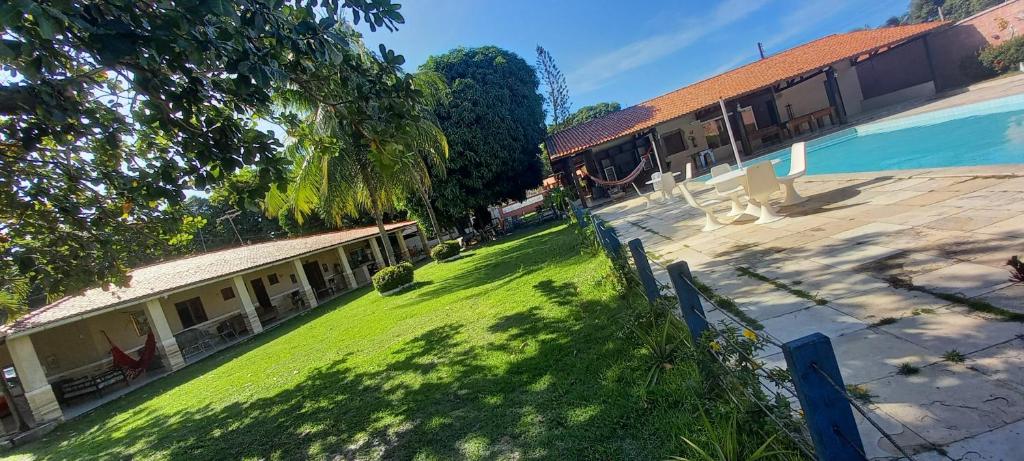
(628, 179)
(133, 367)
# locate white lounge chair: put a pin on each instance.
(710, 221)
(732, 189)
(797, 168)
(761, 182)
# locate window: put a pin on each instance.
(140, 322)
(673, 142)
(191, 312)
(716, 133)
(294, 279)
(337, 268)
(325, 268)
(227, 293)
(272, 278)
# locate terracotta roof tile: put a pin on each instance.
(155, 279)
(737, 82)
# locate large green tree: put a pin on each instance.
(494, 124)
(114, 107)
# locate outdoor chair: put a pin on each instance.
(731, 190)
(668, 183)
(797, 168)
(761, 183)
(710, 221)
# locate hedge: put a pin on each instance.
(393, 277)
(445, 250)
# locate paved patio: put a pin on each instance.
(946, 230)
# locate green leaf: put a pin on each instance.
(47, 26)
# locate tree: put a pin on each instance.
(115, 107)
(955, 10)
(343, 164)
(923, 10)
(494, 124)
(555, 89)
(588, 113)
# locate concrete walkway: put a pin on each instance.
(945, 230)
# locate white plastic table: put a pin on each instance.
(734, 174)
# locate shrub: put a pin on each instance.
(392, 277)
(445, 250)
(972, 68)
(1004, 56)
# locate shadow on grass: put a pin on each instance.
(556, 383)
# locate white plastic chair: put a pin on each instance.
(797, 168)
(668, 183)
(761, 183)
(656, 181)
(710, 221)
(732, 189)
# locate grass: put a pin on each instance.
(804, 294)
(860, 392)
(954, 356)
(907, 369)
(970, 303)
(519, 352)
(885, 321)
(727, 304)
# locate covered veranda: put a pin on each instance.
(754, 109)
(57, 360)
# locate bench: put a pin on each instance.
(71, 388)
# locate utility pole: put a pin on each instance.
(760, 49)
(230, 217)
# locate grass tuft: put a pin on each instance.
(885, 321)
(907, 369)
(970, 303)
(954, 356)
(860, 392)
(727, 304)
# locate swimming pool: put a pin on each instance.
(985, 133)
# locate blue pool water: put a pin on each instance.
(986, 133)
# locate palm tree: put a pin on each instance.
(427, 143)
(343, 166)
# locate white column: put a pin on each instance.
(402, 248)
(307, 290)
(38, 393)
(728, 127)
(346, 268)
(252, 321)
(376, 253)
(165, 342)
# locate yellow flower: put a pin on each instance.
(715, 346)
(749, 334)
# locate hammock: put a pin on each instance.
(133, 367)
(628, 179)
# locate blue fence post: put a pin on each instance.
(689, 299)
(812, 363)
(643, 270)
(614, 245)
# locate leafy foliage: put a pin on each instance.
(341, 164)
(115, 107)
(1003, 57)
(445, 250)
(952, 10)
(494, 124)
(392, 277)
(585, 114)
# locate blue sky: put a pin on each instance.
(627, 52)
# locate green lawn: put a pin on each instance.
(517, 351)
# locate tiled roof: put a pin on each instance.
(149, 281)
(737, 82)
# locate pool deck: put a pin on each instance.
(946, 230)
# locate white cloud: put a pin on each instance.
(600, 70)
